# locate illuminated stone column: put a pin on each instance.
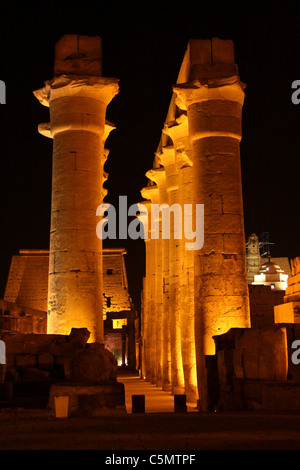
(158, 176)
(146, 301)
(213, 99)
(179, 133)
(167, 159)
(77, 97)
(150, 193)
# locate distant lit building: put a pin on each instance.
(270, 274)
(267, 281)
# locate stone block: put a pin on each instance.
(180, 404)
(222, 51)
(138, 403)
(32, 374)
(89, 399)
(94, 365)
(264, 353)
(222, 223)
(10, 360)
(78, 54)
(79, 336)
(45, 361)
(227, 340)
(295, 265)
(238, 364)
(281, 396)
(250, 359)
(200, 51)
(25, 360)
(14, 344)
(288, 312)
(6, 391)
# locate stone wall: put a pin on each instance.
(40, 367)
(262, 301)
(289, 311)
(255, 370)
(115, 285)
(16, 318)
(35, 357)
(27, 282)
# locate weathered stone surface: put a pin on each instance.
(33, 374)
(26, 360)
(94, 365)
(77, 113)
(79, 336)
(6, 391)
(91, 399)
(45, 361)
(281, 396)
(2, 372)
(260, 353)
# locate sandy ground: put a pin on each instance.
(39, 430)
(158, 429)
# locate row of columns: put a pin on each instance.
(192, 295)
(168, 316)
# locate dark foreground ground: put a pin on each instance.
(22, 429)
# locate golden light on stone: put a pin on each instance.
(205, 291)
(77, 97)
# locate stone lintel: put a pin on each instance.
(78, 54)
(205, 58)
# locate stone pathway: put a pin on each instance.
(156, 400)
(157, 430)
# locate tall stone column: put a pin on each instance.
(145, 295)
(150, 193)
(213, 99)
(77, 97)
(179, 133)
(158, 176)
(167, 159)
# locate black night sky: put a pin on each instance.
(143, 45)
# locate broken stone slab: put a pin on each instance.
(22, 343)
(90, 399)
(79, 336)
(45, 361)
(256, 353)
(93, 365)
(25, 360)
(32, 374)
